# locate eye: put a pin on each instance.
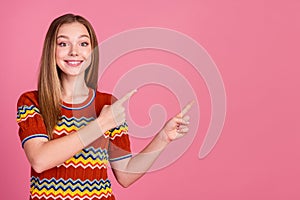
(84, 44)
(62, 44)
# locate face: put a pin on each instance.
(73, 49)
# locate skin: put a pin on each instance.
(72, 56)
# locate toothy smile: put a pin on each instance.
(73, 63)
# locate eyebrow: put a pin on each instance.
(66, 37)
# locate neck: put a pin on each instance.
(73, 86)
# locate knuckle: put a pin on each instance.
(187, 117)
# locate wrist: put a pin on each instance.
(163, 136)
(102, 125)
(89, 133)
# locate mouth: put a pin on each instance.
(74, 63)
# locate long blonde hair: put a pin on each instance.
(49, 83)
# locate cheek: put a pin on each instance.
(87, 53)
(58, 55)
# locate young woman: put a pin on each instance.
(70, 132)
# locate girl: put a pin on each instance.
(70, 132)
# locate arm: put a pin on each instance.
(44, 154)
(129, 170)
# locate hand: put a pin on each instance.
(177, 127)
(113, 115)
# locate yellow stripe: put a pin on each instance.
(86, 161)
(77, 192)
(68, 129)
(69, 184)
(118, 132)
(23, 116)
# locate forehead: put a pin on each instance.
(74, 29)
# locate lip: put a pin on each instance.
(73, 63)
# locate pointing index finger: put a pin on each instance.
(185, 109)
(126, 97)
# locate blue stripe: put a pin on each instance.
(69, 184)
(23, 109)
(33, 136)
(84, 106)
(93, 153)
(77, 125)
(71, 119)
(95, 150)
(120, 158)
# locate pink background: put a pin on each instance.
(255, 45)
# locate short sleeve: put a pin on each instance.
(119, 145)
(29, 119)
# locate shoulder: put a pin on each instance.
(27, 106)
(28, 98)
(104, 98)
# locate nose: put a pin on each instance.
(73, 50)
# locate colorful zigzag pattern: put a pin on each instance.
(76, 177)
(69, 189)
(117, 131)
(89, 157)
(25, 112)
(67, 125)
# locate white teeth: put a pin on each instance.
(74, 62)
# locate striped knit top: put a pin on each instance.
(83, 176)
